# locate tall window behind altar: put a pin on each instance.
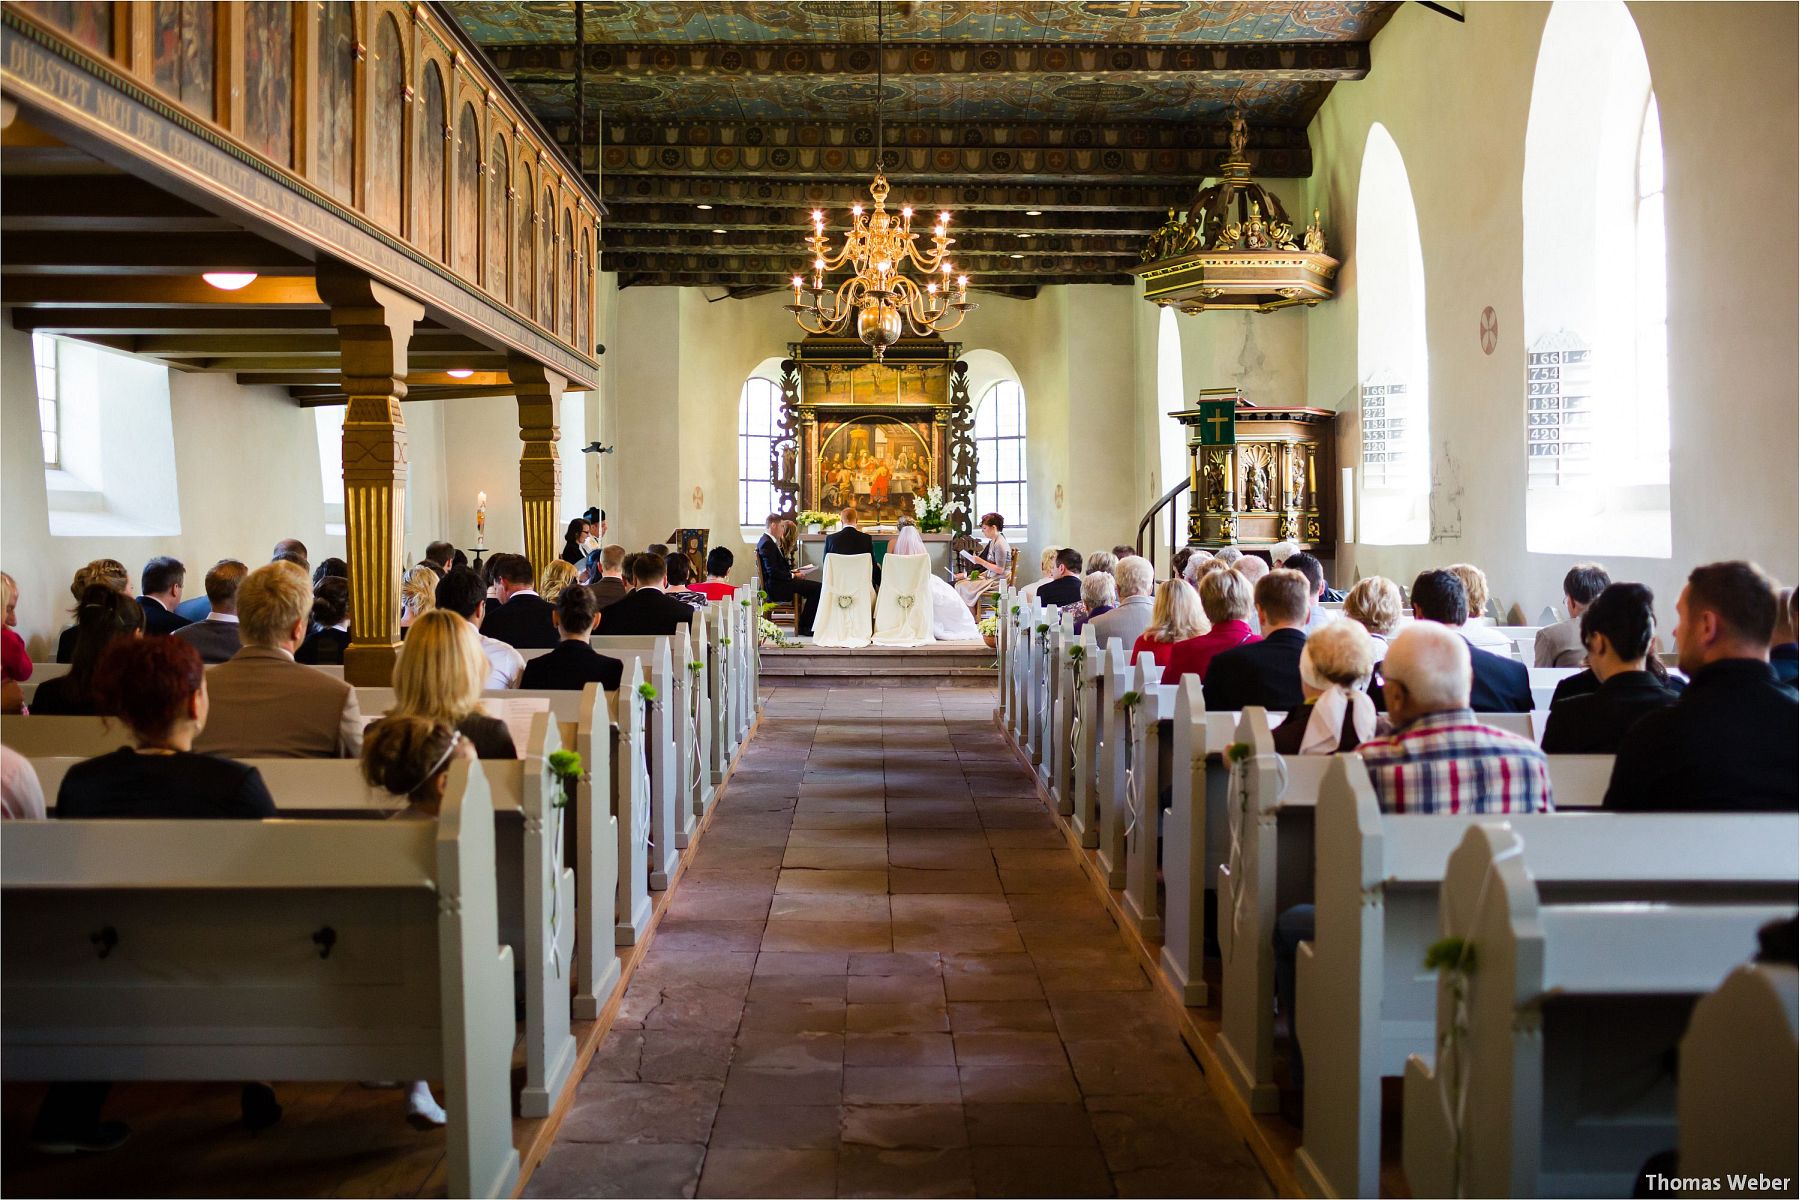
(1000, 455)
(1596, 292)
(759, 406)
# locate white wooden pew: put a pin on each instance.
(1735, 1104)
(631, 806)
(1115, 761)
(1363, 995)
(1524, 640)
(1094, 711)
(746, 624)
(1269, 868)
(1143, 825)
(686, 722)
(1050, 689)
(1067, 726)
(307, 950)
(671, 820)
(1555, 1065)
(1194, 835)
(49, 737)
(1544, 681)
(40, 672)
(723, 684)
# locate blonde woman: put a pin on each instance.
(439, 677)
(1376, 605)
(557, 576)
(1177, 618)
(108, 572)
(1046, 571)
(418, 594)
(1478, 632)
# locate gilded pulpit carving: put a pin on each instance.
(1255, 470)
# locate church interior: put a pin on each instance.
(899, 597)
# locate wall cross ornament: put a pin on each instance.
(1490, 330)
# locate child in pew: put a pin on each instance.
(440, 675)
(411, 756)
(1338, 715)
(157, 686)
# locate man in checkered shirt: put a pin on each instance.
(1440, 758)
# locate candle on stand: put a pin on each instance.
(481, 518)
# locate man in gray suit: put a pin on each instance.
(266, 705)
(216, 635)
(1560, 645)
(1136, 579)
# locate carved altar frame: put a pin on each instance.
(1265, 488)
(794, 450)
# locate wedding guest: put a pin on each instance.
(1728, 744)
(1226, 598)
(331, 568)
(680, 573)
(162, 583)
(462, 592)
(1046, 572)
(990, 567)
(21, 793)
(1228, 555)
(418, 593)
(1337, 715)
(1375, 603)
(780, 578)
(1618, 629)
(557, 576)
(1099, 596)
(1252, 569)
(1317, 616)
(1135, 610)
(522, 618)
(1103, 561)
(1123, 551)
(1176, 618)
(103, 617)
(1063, 588)
(439, 557)
(573, 537)
(291, 550)
(610, 587)
(574, 663)
(216, 635)
(330, 636)
(647, 611)
(1560, 645)
(1266, 673)
(1500, 684)
(108, 572)
(1179, 564)
(439, 676)
(719, 562)
(15, 661)
(848, 539)
(1478, 632)
(266, 705)
(1784, 650)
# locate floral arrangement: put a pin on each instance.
(823, 520)
(567, 766)
(771, 634)
(930, 512)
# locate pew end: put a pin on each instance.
(1740, 1074)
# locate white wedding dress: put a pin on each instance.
(951, 620)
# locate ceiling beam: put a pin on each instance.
(790, 243)
(123, 205)
(677, 219)
(1028, 262)
(135, 254)
(626, 129)
(969, 195)
(300, 364)
(726, 279)
(146, 321)
(151, 291)
(1318, 62)
(324, 382)
(304, 345)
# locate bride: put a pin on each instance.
(951, 620)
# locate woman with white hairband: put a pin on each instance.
(411, 756)
(1338, 715)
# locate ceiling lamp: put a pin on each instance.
(880, 298)
(460, 373)
(1235, 248)
(229, 281)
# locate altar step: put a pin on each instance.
(955, 665)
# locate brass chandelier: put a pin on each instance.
(880, 297)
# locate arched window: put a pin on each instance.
(1391, 357)
(759, 408)
(1000, 453)
(429, 232)
(1595, 291)
(1171, 440)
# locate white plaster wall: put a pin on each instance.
(1456, 98)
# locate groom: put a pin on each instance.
(848, 539)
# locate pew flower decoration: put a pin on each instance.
(567, 766)
(1237, 752)
(1130, 699)
(1237, 760)
(771, 635)
(647, 692)
(1454, 958)
(694, 668)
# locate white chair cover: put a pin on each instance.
(903, 609)
(847, 603)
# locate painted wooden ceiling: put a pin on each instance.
(1098, 115)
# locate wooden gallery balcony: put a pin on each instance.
(403, 216)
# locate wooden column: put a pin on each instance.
(540, 470)
(374, 324)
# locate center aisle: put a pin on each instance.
(884, 974)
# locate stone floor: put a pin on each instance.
(884, 975)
